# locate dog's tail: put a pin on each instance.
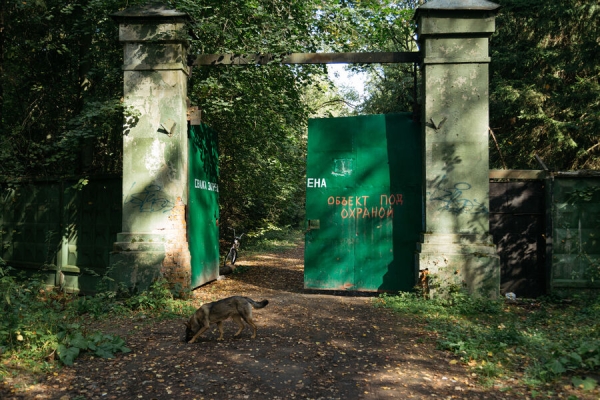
(258, 304)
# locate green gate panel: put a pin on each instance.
(61, 230)
(575, 214)
(363, 203)
(203, 225)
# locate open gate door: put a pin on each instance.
(203, 228)
(363, 203)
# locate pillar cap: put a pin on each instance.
(459, 5)
(456, 17)
(154, 11)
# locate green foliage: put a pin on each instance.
(259, 112)
(544, 89)
(98, 305)
(537, 341)
(60, 85)
(391, 89)
(261, 145)
(377, 25)
(39, 324)
(373, 25)
(585, 383)
(273, 238)
(324, 100)
(71, 341)
(157, 297)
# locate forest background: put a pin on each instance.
(61, 88)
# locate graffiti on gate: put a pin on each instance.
(362, 206)
(454, 200)
(151, 199)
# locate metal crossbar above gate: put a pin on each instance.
(305, 58)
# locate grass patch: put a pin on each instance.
(273, 239)
(535, 342)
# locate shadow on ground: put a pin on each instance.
(309, 345)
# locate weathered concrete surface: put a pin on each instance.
(155, 138)
(456, 247)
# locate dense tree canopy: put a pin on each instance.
(61, 85)
(259, 112)
(61, 89)
(544, 89)
(544, 85)
(377, 25)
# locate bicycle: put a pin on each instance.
(233, 251)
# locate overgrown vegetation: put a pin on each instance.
(61, 85)
(544, 75)
(40, 326)
(544, 84)
(534, 342)
(274, 238)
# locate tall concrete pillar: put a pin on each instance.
(456, 246)
(153, 241)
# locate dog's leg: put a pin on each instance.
(251, 323)
(197, 335)
(220, 326)
(238, 320)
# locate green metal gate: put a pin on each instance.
(363, 203)
(203, 218)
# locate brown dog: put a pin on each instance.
(236, 307)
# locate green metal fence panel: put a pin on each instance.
(575, 233)
(363, 203)
(92, 216)
(31, 227)
(203, 226)
(61, 229)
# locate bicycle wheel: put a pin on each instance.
(227, 257)
(231, 256)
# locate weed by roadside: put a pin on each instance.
(273, 239)
(533, 342)
(42, 328)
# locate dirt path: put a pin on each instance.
(316, 346)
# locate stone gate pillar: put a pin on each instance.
(456, 246)
(153, 241)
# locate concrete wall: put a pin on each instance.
(456, 247)
(153, 241)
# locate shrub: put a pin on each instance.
(545, 339)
